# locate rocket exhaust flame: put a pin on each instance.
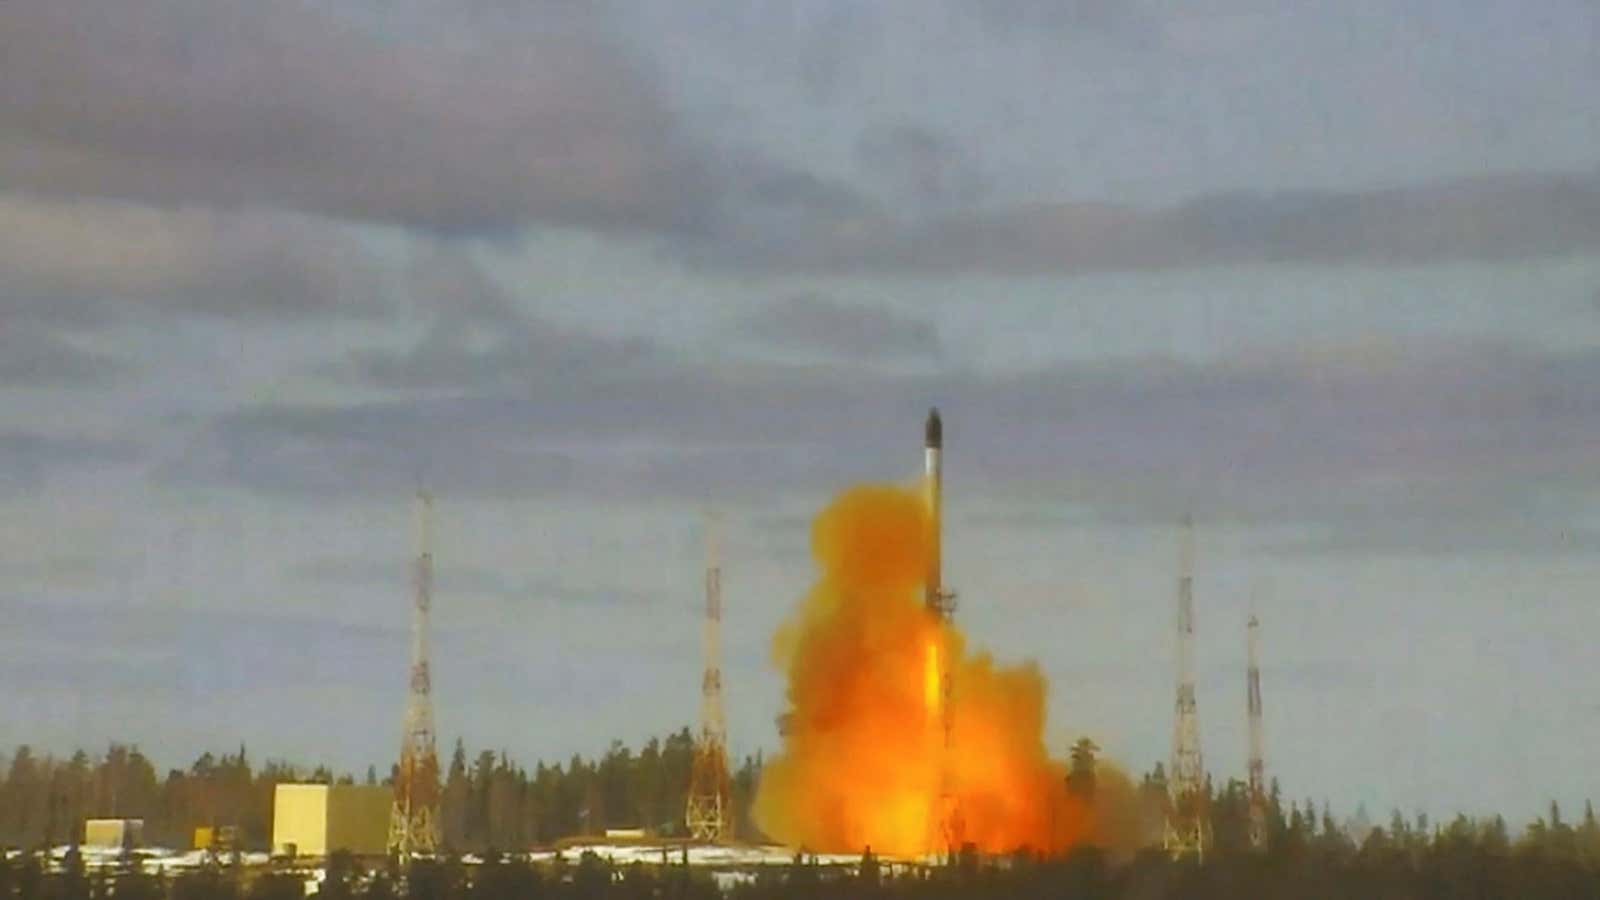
(864, 760)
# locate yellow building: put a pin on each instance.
(222, 839)
(113, 833)
(314, 819)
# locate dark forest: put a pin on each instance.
(492, 805)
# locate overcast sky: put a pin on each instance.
(1326, 275)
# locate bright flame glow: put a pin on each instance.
(865, 757)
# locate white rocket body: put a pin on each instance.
(932, 480)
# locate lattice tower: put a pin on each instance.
(414, 824)
(1187, 831)
(1257, 764)
(709, 811)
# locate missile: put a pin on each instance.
(932, 477)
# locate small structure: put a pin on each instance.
(113, 834)
(316, 819)
(223, 839)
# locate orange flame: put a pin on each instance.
(865, 760)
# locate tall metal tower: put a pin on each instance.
(1257, 765)
(709, 812)
(1188, 830)
(414, 824)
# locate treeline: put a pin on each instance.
(1462, 860)
(488, 801)
(491, 803)
(1292, 826)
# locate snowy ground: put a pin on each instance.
(729, 865)
(697, 855)
(149, 859)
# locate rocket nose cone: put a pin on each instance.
(933, 433)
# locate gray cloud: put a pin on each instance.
(1320, 676)
(1490, 218)
(1127, 20)
(765, 209)
(445, 358)
(1351, 439)
(195, 649)
(510, 117)
(71, 263)
(340, 570)
(26, 458)
(478, 338)
(1522, 529)
(35, 357)
(830, 49)
(69, 569)
(456, 579)
(811, 322)
(926, 171)
(545, 118)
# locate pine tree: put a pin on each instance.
(1496, 836)
(1081, 777)
(1588, 836)
(454, 805)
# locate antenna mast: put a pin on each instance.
(709, 812)
(1187, 832)
(414, 820)
(1257, 765)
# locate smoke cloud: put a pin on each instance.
(864, 761)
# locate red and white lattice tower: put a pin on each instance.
(1257, 765)
(414, 824)
(709, 811)
(1187, 830)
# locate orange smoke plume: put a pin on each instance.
(865, 760)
